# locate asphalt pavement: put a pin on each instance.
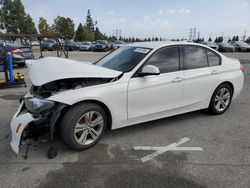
(214, 151)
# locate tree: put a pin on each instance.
(64, 26)
(112, 39)
(98, 35)
(210, 40)
(44, 27)
(89, 29)
(237, 38)
(28, 26)
(89, 22)
(79, 33)
(13, 18)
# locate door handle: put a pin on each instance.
(177, 79)
(215, 71)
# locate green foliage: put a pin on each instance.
(112, 38)
(218, 39)
(13, 18)
(235, 38)
(28, 26)
(64, 26)
(79, 33)
(89, 23)
(44, 27)
(98, 35)
(89, 31)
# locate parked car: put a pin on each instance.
(48, 44)
(86, 46)
(114, 92)
(211, 45)
(102, 45)
(78, 44)
(118, 44)
(35, 43)
(225, 47)
(70, 45)
(241, 46)
(19, 53)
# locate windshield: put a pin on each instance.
(123, 59)
(86, 43)
(48, 41)
(101, 42)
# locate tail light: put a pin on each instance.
(16, 51)
(242, 68)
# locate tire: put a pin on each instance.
(84, 136)
(221, 99)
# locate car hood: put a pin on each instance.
(49, 69)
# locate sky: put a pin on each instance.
(151, 18)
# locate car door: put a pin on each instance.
(200, 78)
(158, 93)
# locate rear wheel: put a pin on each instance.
(221, 99)
(83, 125)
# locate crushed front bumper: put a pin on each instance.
(19, 122)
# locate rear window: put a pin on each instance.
(195, 57)
(213, 59)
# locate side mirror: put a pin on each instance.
(149, 70)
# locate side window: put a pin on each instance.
(213, 59)
(195, 57)
(166, 59)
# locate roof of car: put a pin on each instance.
(156, 45)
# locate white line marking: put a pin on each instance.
(161, 150)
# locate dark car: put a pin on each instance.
(70, 45)
(48, 44)
(241, 46)
(86, 46)
(118, 44)
(19, 53)
(225, 47)
(211, 45)
(102, 45)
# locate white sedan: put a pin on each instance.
(136, 83)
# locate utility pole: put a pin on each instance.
(194, 34)
(244, 36)
(118, 33)
(191, 34)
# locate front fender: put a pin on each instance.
(113, 96)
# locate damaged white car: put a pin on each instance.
(136, 83)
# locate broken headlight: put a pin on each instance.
(36, 106)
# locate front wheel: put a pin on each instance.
(221, 99)
(83, 125)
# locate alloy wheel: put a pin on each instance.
(222, 99)
(88, 128)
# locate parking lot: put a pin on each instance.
(216, 149)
